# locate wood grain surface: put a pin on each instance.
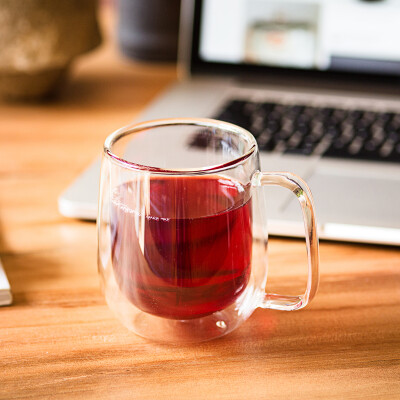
(59, 340)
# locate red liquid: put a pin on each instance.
(187, 252)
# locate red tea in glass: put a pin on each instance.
(187, 253)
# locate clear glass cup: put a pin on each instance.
(182, 239)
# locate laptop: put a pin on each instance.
(317, 82)
(5, 291)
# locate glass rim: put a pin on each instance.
(158, 123)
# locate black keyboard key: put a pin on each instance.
(264, 140)
(267, 141)
(387, 148)
(294, 140)
(335, 118)
(273, 125)
(267, 107)
(354, 115)
(324, 113)
(369, 116)
(303, 119)
(341, 142)
(371, 146)
(362, 133)
(355, 146)
(332, 131)
(362, 124)
(385, 118)
(305, 149)
(283, 134)
(292, 111)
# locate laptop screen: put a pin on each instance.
(343, 36)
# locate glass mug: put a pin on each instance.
(182, 239)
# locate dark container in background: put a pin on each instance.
(148, 29)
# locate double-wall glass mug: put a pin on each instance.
(182, 240)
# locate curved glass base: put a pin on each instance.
(183, 331)
(167, 330)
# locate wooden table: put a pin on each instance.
(59, 340)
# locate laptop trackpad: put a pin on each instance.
(351, 200)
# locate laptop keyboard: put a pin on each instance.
(323, 131)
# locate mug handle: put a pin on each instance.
(303, 194)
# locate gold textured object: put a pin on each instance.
(39, 39)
